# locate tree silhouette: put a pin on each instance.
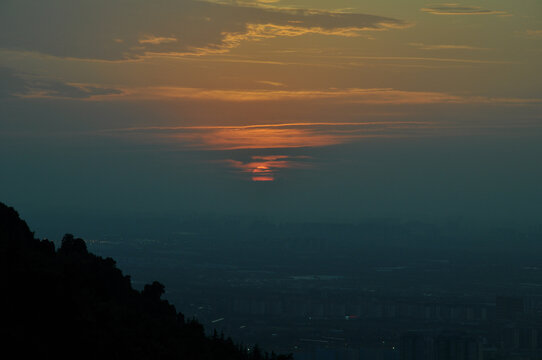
(72, 245)
(153, 291)
(72, 303)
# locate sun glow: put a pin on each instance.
(266, 168)
(263, 178)
(240, 141)
(262, 173)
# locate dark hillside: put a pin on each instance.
(69, 302)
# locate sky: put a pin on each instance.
(289, 109)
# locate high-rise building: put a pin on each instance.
(417, 346)
(457, 346)
(444, 346)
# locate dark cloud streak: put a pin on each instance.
(14, 84)
(456, 9)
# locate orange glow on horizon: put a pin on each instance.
(265, 168)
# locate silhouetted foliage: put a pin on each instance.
(73, 303)
(71, 245)
(153, 291)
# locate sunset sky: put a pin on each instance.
(302, 109)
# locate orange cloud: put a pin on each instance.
(156, 40)
(263, 178)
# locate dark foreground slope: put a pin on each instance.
(69, 302)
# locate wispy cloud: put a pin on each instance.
(350, 95)
(271, 83)
(156, 40)
(534, 33)
(457, 9)
(423, 46)
(110, 30)
(420, 59)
